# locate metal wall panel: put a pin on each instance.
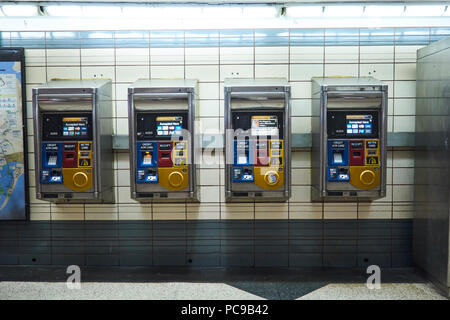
(432, 163)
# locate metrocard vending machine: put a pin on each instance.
(73, 141)
(349, 121)
(162, 140)
(257, 139)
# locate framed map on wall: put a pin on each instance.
(13, 157)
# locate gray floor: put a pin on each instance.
(207, 291)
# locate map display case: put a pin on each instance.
(13, 166)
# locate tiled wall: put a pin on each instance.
(211, 56)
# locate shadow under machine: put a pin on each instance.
(73, 141)
(162, 137)
(349, 131)
(257, 140)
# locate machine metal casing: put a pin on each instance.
(158, 96)
(73, 97)
(257, 96)
(334, 96)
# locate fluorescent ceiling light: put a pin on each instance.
(305, 11)
(20, 10)
(64, 11)
(384, 11)
(424, 11)
(343, 11)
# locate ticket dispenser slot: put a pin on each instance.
(71, 159)
(257, 135)
(162, 140)
(349, 139)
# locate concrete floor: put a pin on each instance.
(204, 291)
(49, 283)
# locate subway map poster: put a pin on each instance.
(13, 193)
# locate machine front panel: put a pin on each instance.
(161, 164)
(67, 152)
(258, 155)
(353, 150)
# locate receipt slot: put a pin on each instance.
(349, 117)
(73, 144)
(257, 139)
(162, 140)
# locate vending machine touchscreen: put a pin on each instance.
(257, 139)
(73, 129)
(349, 138)
(162, 140)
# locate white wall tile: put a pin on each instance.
(167, 56)
(403, 192)
(167, 72)
(63, 73)
(341, 70)
(377, 54)
(337, 210)
(95, 72)
(403, 176)
(380, 71)
(374, 211)
(237, 211)
(134, 211)
(132, 56)
(405, 71)
(305, 210)
(406, 53)
(236, 55)
(304, 72)
(301, 124)
(97, 57)
(301, 107)
(236, 71)
(405, 107)
(202, 211)
(35, 74)
(132, 73)
(203, 73)
(341, 54)
(202, 55)
(272, 211)
(307, 54)
(273, 55)
(271, 71)
(63, 57)
(404, 123)
(35, 57)
(169, 211)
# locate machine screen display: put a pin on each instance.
(264, 125)
(67, 126)
(160, 126)
(359, 124)
(351, 124)
(259, 123)
(168, 126)
(75, 126)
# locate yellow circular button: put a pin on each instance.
(271, 177)
(367, 177)
(176, 179)
(80, 179)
